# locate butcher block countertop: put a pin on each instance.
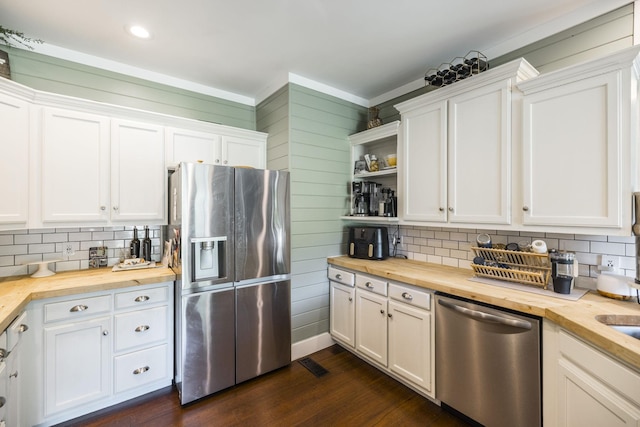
(575, 316)
(16, 292)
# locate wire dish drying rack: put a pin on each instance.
(514, 266)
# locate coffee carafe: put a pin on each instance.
(562, 271)
(360, 199)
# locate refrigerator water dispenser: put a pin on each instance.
(208, 258)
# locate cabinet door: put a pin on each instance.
(75, 167)
(479, 179)
(410, 350)
(13, 386)
(572, 161)
(14, 162)
(138, 173)
(238, 151)
(371, 326)
(424, 160)
(343, 313)
(77, 366)
(190, 146)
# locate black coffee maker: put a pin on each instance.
(366, 195)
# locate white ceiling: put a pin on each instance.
(246, 49)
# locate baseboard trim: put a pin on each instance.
(311, 345)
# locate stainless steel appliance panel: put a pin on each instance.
(201, 223)
(263, 328)
(262, 224)
(488, 363)
(207, 350)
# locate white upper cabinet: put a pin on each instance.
(14, 162)
(218, 146)
(74, 167)
(243, 151)
(137, 172)
(579, 159)
(191, 146)
(456, 149)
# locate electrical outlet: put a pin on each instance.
(610, 262)
(68, 250)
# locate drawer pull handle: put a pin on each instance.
(407, 296)
(142, 298)
(22, 328)
(369, 285)
(140, 370)
(14, 375)
(142, 328)
(339, 276)
(77, 308)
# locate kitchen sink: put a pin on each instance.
(627, 324)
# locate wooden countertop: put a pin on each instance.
(16, 292)
(575, 316)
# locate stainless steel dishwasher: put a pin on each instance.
(488, 363)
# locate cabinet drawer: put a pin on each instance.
(341, 276)
(410, 295)
(372, 284)
(141, 297)
(77, 308)
(140, 327)
(15, 330)
(140, 368)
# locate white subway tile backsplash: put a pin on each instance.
(25, 246)
(449, 247)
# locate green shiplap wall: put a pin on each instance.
(597, 37)
(312, 136)
(45, 73)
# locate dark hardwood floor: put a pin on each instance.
(352, 393)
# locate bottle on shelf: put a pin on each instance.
(134, 246)
(146, 245)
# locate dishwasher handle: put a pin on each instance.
(486, 317)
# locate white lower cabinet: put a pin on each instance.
(388, 324)
(95, 350)
(76, 350)
(584, 386)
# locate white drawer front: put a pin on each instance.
(140, 368)
(372, 284)
(141, 327)
(410, 295)
(77, 308)
(141, 297)
(341, 276)
(15, 330)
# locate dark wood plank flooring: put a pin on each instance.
(352, 393)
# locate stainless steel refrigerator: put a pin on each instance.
(229, 229)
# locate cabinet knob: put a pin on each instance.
(381, 311)
(350, 299)
(225, 162)
(105, 332)
(369, 285)
(390, 315)
(142, 328)
(339, 276)
(78, 308)
(525, 208)
(407, 296)
(23, 328)
(103, 208)
(3, 353)
(3, 401)
(142, 298)
(115, 208)
(140, 370)
(450, 209)
(441, 209)
(217, 160)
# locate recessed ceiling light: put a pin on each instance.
(139, 31)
